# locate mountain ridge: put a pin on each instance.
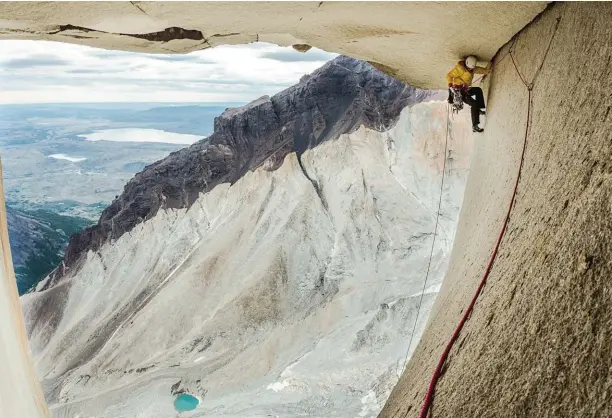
(335, 99)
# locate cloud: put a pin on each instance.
(295, 56)
(93, 71)
(52, 72)
(107, 53)
(177, 57)
(36, 60)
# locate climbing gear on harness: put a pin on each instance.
(470, 62)
(457, 99)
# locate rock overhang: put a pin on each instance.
(417, 42)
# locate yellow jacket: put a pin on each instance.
(460, 75)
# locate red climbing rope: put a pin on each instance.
(432, 384)
(427, 402)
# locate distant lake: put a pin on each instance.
(141, 135)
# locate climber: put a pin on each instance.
(460, 77)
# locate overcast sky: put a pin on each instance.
(52, 72)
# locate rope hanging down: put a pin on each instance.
(433, 243)
(432, 384)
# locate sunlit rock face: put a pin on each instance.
(288, 289)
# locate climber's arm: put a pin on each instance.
(451, 76)
(483, 70)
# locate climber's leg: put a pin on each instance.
(475, 115)
(475, 110)
(476, 92)
(475, 98)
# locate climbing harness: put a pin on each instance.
(457, 99)
(435, 234)
(429, 396)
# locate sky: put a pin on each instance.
(53, 72)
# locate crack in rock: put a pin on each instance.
(166, 35)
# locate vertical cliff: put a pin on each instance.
(19, 381)
(538, 340)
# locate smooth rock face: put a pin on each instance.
(292, 291)
(336, 99)
(538, 341)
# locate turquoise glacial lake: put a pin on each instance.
(185, 402)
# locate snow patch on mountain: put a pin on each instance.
(67, 158)
(141, 135)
